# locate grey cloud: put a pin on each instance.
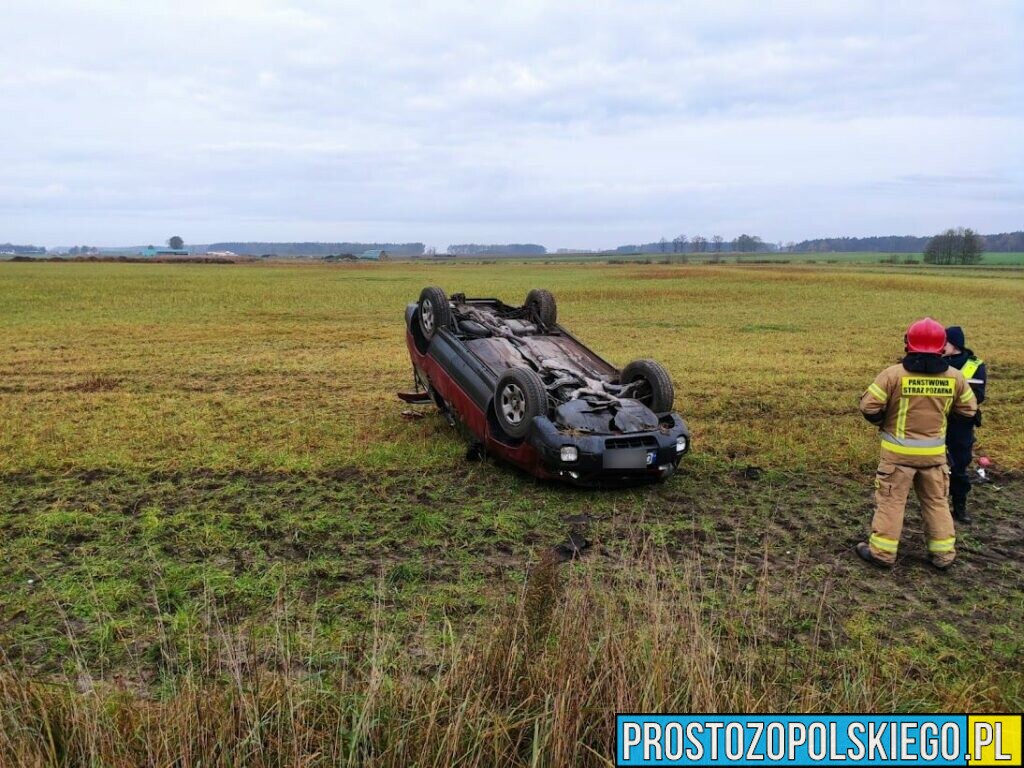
(574, 123)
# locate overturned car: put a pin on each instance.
(533, 394)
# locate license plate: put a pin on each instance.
(625, 458)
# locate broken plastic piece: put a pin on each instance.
(414, 397)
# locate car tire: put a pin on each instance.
(519, 396)
(542, 304)
(434, 311)
(656, 391)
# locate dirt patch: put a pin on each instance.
(94, 384)
(801, 530)
(106, 547)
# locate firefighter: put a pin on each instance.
(960, 435)
(909, 402)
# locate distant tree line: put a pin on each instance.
(317, 249)
(954, 246)
(700, 244)
(81, 250)
(1001, 243)
(1006, 242)
(509, 249)
(21, 249)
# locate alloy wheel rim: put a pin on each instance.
(513, 403)
(427, 317)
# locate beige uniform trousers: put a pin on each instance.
(892, 486)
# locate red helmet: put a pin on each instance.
(928, 336)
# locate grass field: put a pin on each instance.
(174, 367)
(205, 476)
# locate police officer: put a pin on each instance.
(960, 434)
(908, 402)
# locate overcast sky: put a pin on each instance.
(573, 124)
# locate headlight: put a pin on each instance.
(569, 453)
(680, 444)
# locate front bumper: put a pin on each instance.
(593, 453)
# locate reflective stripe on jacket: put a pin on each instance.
(915, 408)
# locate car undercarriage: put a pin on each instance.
(583, 395)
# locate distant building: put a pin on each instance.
(373, 255)
(151, 251)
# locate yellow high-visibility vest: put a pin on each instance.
(971, 367)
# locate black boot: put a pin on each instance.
(960, 510)
(864, 551)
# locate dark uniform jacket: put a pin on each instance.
(960, 436)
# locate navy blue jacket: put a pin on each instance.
(959, 432)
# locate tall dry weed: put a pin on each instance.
(538, 684)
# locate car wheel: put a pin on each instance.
(542, 304)
(655, 385)
(434, 311)
(519, 396)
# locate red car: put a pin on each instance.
(534, 395)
